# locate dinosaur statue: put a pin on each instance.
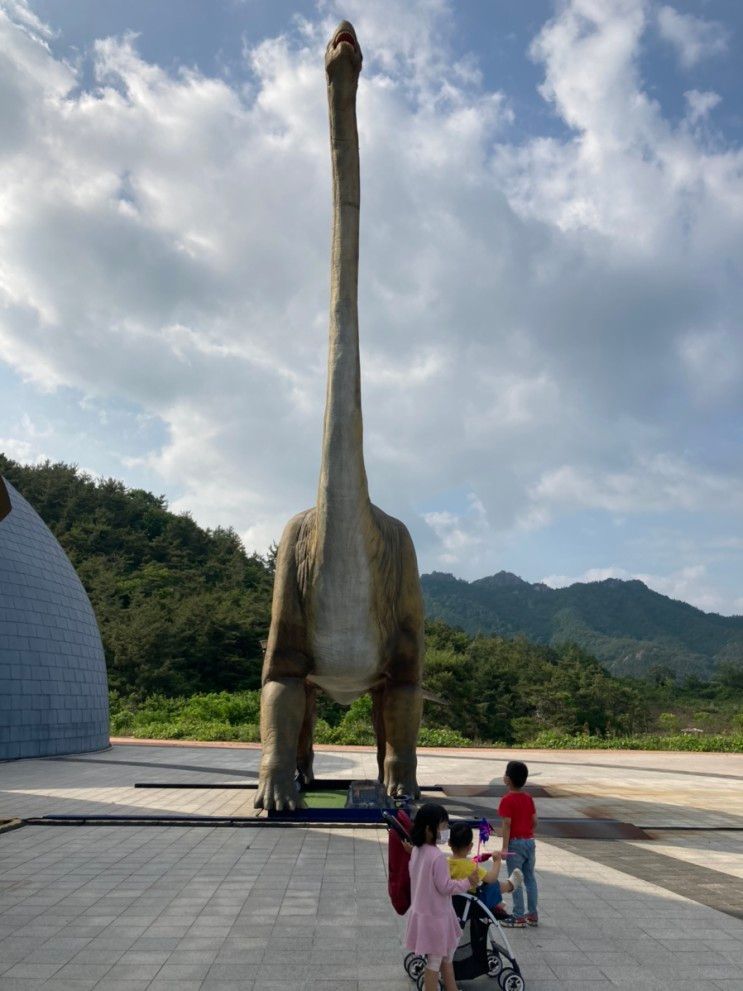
(347, 613)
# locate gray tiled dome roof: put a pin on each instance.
(53, 687)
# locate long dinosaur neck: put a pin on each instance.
(342, 491)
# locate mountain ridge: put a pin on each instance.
(630, 627)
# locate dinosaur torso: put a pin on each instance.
(336, 579)
(350, 587)
(345, 643)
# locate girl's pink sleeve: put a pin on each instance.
(444, 884)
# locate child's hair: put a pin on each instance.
(427, 815)
(460, 836)
(518, 772)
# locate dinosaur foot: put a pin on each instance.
(306, 778)
(399, 778)
(278, 792)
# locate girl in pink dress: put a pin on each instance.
(432, 927)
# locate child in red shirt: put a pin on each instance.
(519, 815)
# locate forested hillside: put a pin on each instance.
(630, 628)
(181, 609)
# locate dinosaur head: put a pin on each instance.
(343, 56)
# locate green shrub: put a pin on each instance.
(233, 708)
(235, 716)
(702, 743)
(442, 737)
(669, 722)
(216, 716)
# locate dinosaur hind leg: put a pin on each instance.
(377, 696)
(305, 751)
(398, 707)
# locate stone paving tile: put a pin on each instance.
(710, 887)
(65, 984)
(219, 985)
(20, 983)
(82, 972)
(253, 955)
(37, 971)
(650, 982)
(174, 985)
(231, 970)
(113, 984)
(204, 899)
(126, 971)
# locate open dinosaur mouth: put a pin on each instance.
(345, 36)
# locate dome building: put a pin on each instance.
(53, 686)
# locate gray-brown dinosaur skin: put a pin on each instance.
(347, 610)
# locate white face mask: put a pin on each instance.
(443, 836)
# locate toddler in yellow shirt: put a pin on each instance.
(461, 865)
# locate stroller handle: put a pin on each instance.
(394, 823)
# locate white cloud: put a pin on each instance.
(542, 319)
(27, 441)
(700, 103)
(693, 38)
(21, 450)
(459, 534)
(658, 484)
(713, 359)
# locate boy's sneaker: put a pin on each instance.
(515, 922)
(532, 919)
(501, 913)
(516, 878)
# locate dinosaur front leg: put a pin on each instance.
(282, 715)
(285, 667)
(402, 706)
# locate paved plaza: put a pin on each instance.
(195, 908)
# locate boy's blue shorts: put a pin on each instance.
(491, 894)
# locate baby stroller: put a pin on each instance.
(484, 947)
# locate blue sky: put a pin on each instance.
(550, 284)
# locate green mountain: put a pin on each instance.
(626, 625)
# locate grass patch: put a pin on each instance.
(326, 799)
(235, 716)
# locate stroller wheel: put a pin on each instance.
(495, 965)
(509, 980)
(407, 961)
(415, 966)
